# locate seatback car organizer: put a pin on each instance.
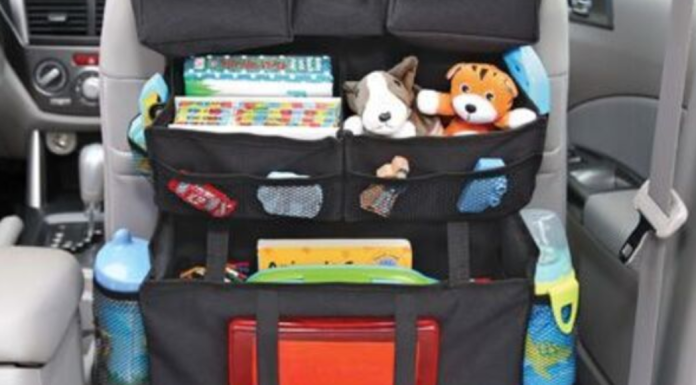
(483, 258)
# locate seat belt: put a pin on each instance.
(662, 211)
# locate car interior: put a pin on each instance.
(616, 110)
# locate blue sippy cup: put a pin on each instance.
(120, 268)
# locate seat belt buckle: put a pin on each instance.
(664, 224)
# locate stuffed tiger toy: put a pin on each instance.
(480, 101)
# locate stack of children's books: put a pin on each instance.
(288, 96)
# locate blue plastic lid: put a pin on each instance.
(527, 69)
(123, 263)
(550, 237)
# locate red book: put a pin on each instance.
(323, 351)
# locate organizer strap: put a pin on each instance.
(406, 340)
(268, 316)
(459, 257)
(218, 250)
(163, 250)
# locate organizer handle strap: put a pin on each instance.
(406, 340)
(218, 250)
(459, 250)
(268, 316)
(162, 251)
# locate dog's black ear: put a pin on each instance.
(406, 71)
(350, 91)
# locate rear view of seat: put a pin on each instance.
(126, 65)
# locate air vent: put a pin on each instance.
(99, 17)
(57, 18)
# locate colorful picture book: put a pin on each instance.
(262, 75)
(247, 112)
(302, 252)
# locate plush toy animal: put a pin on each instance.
(383, 102)
(480, 101)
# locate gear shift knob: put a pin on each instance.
(91, 183)
(92, 175)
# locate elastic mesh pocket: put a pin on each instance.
(549, 354)
(442, 197)
(121, 351)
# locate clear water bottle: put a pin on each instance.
(120, 268)
(550, 355)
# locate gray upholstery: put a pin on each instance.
(40, 290)
(620, 127)
(125, 65)
(10, 230)
(607, 306)
(65, 367)
(611, 217)
(553, 49)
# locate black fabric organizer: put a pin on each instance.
(482, 325)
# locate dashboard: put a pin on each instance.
(49, 73)
(53, 46)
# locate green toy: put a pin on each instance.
(342, 274)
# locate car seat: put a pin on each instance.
(40, 337)
(10, 229)
(126, 65)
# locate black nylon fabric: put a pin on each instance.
(267, 317)
(344, 168)
(440, 168)
(351, 18)
(238, 165)
(482, 326)
(486, 26)
(498, 250)
(185, 27)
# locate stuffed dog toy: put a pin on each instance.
(480, 101)
(383, 103)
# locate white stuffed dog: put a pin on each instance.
(383, 102)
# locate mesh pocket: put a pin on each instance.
(121, 350)
(549, 354)
(448, 179)
(251, 198)
(441, 197)
(294, 202)
(229, 176)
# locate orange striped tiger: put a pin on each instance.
(480, 101)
